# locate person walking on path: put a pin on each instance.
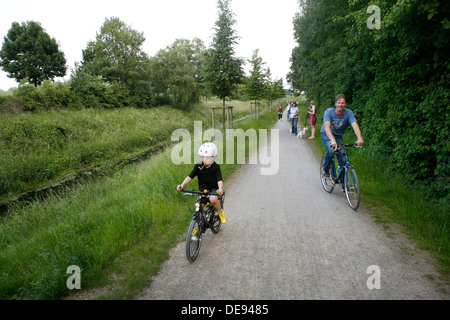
(289, 106)
(280, 112)
(294, 118)
(312, 119)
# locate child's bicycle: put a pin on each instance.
(346, 177)
(205, 217)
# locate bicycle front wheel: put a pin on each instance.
(352, 190)
(193, 240)
(327, 182)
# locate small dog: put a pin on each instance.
(302, 134)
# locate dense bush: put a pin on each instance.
(57, 94)
(30, 98)
(396, 78)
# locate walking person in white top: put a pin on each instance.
(294, 118)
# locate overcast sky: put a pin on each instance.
(262, 24)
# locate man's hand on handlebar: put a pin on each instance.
(334, 145)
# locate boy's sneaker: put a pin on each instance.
(326, 173)
(223, 217)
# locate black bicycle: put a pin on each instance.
(346, 177)
(205, 217)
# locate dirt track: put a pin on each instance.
(286, 238)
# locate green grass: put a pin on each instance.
(88, 228)
(118, 230)
(36, 148)
(391, 201)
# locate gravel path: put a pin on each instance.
(286, 238)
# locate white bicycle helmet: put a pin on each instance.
(208, 149)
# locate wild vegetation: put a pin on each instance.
(39, 147)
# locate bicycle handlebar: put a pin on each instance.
(345, 146)
(193, 192)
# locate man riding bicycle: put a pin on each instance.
(335, 123)
(209, 176)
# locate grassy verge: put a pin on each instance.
(37, 148)
(390, 201)
(118, 230)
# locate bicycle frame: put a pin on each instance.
(204, 196)
(202, 209)
(347, 178)
(347, 166)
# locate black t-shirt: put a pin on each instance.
(208, 178)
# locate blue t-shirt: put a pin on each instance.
(338, 124)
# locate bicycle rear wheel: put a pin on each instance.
(193, 240)
(327, 182)
(352, 190)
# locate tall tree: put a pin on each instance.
(223, 71)
(117, 56)
(28, 52)
(319, 31)
(177, 72)
(256, 82)
(275, 90)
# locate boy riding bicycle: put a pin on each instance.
(209, 176)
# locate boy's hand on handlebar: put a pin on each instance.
(359, 143)
(179, 187)
(219, 192)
